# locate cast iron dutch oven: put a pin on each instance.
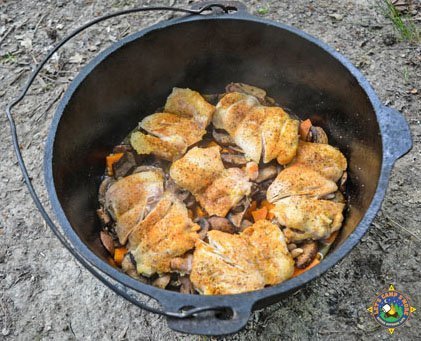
(205, 52)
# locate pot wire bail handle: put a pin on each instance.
(90, 267)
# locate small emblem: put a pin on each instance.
(391, 309)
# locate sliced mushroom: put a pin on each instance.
(108, 242)
(125, 165)
(237, 213)
(182, 264)
(260, 94)
(234, 159)
(244, 224)
(103, 216)
(204, 228)
(306, 257)
(221, 224)
(338, 197)
(190, 201)
(122, 148)
(162, 282)
(103, 187)
(342, 183)
(129, 267)
(222, 138)
(186, 285)
(267, 173)
(317, 135)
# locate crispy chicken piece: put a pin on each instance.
(322, 158)
(160, 242)
(288, 141)
(231, 264)
(155, 215)
(231, 110)
(189, 103)
(248, 135)
(225, 192)
(225, 266)
(258, 130)
(169, 148)
(315, 217)
(202, 173)
(131, 198)
(299, 180)
(196, 170)
(273, 258)
(165, 125)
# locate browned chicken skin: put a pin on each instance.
(159, 242)
(258, 130)
(202, 173)
(186, 116)
(322, 158)
(130, 199)
(191, 104)
(299, 180)
(231, 264)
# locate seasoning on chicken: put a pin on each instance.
(166, 148)
(189, 103)
(231, 110)
(299, 180)
(165, 125)
(322, 158)
(202, 173)
(196, 170)
(232, 264)
(225, 192)
(315, 217)
(131, 198)
(157, 242)
(257, 129)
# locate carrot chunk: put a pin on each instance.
(259, 214)
(269, 206)
(305, 128)
(119, 254)
(110, 160)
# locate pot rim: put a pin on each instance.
(252, 297)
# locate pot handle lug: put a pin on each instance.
(219, 7)
(224, 319)
(397, 140)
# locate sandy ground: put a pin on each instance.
(45, 294)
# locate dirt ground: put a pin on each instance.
(45, 294)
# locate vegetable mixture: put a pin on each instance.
(221, 194)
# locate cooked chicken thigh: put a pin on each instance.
(231, 264)
(191, 104)
(299, 180)
(316, 218)
(165, 125)
(170, 237)
(231, 110)
(183, 123)
(131, 198)
(269, 246)
(170, 149)
(257, 129)
(202, 173)
(196, 170)
(225, 192)
(322, 158)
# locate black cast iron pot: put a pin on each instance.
(205, 52)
